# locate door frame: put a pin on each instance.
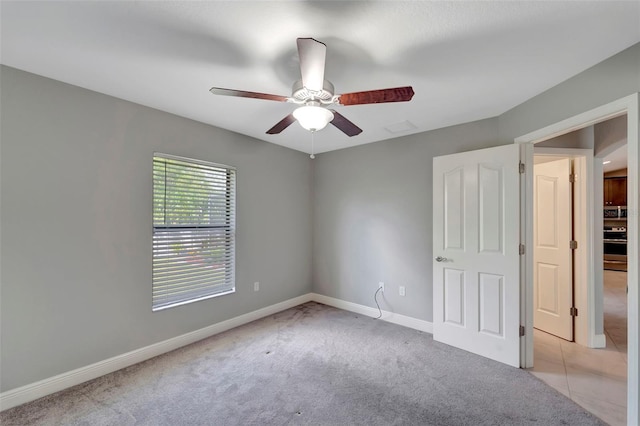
(584, 295)
(628, 105)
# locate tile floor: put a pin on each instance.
(594, 378)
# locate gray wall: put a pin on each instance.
(75, 187)
(612, 79)
(76, 225)
(579, 139)
(373, 215)
(599, 138)
(610, 134)
(373, 207)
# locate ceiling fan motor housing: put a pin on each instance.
(302, 94)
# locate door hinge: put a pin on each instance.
(521, 167)
(573, 244)
(521, 330)
(573, 178)
(573, 311)
(521, 249)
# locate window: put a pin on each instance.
(193, 230)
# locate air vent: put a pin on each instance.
(402, 127)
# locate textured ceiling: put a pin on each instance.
(465, 60)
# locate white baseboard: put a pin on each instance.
(403, 320)
(63, 381)
(599, 341)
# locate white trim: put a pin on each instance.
(394, 318)
(630, 106)
(577, 122)
(633, 257)
(598, 237)
(526, 261)
(193, 160)
(62, 381)
(599, 341)
(584, 228)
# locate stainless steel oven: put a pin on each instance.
(615, 212)
(615, 248)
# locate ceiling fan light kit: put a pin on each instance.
(313, 117)
(315, 93)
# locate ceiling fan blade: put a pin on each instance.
(282, 124)
(312, 55)
(245, 94)
(347, 127)
(397, 94)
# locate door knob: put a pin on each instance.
(441, 259)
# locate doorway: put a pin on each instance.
(614, 163)
(594, 378)
(453, 306)
(629, 107)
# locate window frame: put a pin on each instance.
(167, 229)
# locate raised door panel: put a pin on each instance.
(491, 209)
(454, 297)
(454, 209)
(491, 300)
(546, 196)
(546, 299)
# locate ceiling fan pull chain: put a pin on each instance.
(312, 136)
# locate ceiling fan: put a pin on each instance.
(314, 94)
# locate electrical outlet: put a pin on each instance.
(401, 290)
(256, 286)
(381, 285)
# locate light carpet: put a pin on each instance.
(310, 365)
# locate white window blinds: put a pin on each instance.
(193, 230)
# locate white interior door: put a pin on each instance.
(552, 257)
(476, 266)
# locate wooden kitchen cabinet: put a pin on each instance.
(615, 191)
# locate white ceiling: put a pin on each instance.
(616, 160)
(465, 60)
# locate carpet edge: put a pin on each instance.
(403, 320)
(39, 389)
